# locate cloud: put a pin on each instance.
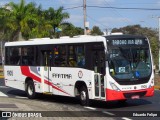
(112, 21)
(100, 1)
(103, 23)
(76, 19)
(158, 3)
(73, 1)
(3, 3)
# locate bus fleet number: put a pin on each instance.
(9, 73)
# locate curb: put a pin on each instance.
(1, 76)
(157, 87)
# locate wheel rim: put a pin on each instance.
(30, 90)
(83, 95)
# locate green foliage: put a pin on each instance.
(71, 30)
(152, 35)
(96, 31)
(29, 20)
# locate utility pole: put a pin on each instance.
(84, 13)
(159, 41)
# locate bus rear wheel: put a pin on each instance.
(30, 90)
(84, 98)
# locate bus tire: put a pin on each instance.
(84, 98)
(30, 90)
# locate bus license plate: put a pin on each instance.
(135, 97)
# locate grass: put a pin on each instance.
(157, 81)
(1, 70)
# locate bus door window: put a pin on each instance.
(99, 68)
(102, 62)
(95, 58)
(60, 55)
(99, 59)
(47, 58)
(72, 56)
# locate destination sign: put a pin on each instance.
(128, 42)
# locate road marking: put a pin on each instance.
(2, 94)
(91, 108)
(3, 87)
(125, 118)
(20, 97)
(109, 113)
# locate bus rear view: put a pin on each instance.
(130, 72)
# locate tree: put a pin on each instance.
(56, 17)
(39, 28)
(71, 30)
(6, 26)
(30, 21)
(21, 15)
(96, 31)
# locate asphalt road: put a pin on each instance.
(16, 100)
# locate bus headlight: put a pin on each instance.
(114, 87)
(151, 84)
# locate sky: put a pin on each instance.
(105, 18)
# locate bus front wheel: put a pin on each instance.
(30, 90)
(84, 98)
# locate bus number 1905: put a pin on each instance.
(9, 72)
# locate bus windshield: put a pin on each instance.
(129, 62)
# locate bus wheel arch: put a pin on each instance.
(30, 88)
(81, 89)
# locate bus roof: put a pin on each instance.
(63, 40)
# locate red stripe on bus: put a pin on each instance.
(25, 71)
(119, 95)
(49, 83)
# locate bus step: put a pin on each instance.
(103, 99)
(47, 93)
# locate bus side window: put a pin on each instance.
(15, 56)
(7, 56)
(60, 56)
(80, 56)
(72, 56)
(27, 54)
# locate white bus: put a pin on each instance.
(107, 68)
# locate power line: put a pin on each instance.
(124, 8)
(116, 12)
(97, 22)
(125, 3)
(72, 7)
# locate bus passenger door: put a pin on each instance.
(99, 70)
(47, 63)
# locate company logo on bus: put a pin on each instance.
(135, 87)
(80, 74)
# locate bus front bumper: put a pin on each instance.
(112, 95)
